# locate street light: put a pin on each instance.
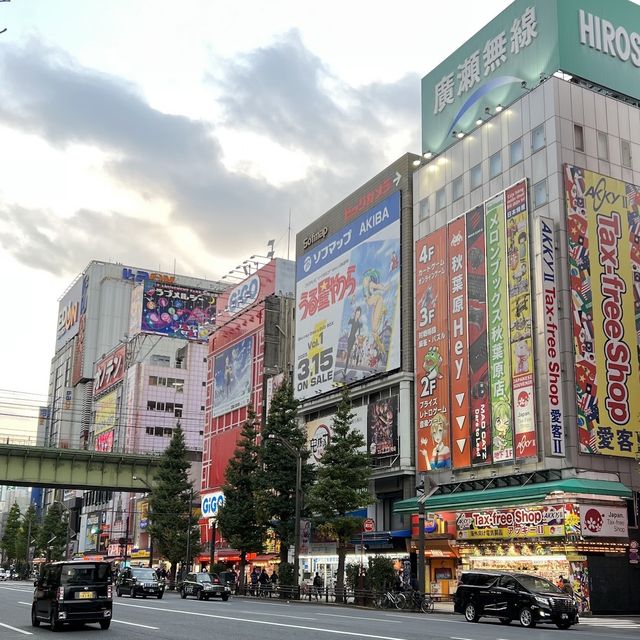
(189, 529)
(146, 484)
(66, 550)
(296, 545)
(423, 496)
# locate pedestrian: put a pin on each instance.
(264, 581)
(254, 581)
(560, 581)
(274, 580)
(317, 586)
(397, 581)
(566, 587)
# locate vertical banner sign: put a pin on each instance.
(520, 320)
(499, 356)
(458, 345)
(549, 286)
(604, 262)
(477, 328)
(432, 352)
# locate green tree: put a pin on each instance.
(240, 519)
(174, 527)
(278, 481)
(11, 534)
(52, 537)
(343, 483)
(29, 530)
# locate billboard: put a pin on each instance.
(603, 229)
(69, 314)
(104, 441)
(432, 352)
(177, 311)
(232, 369)
(320, 431)
(348, 303)
(77, 371)
(382, 428)
(598, 521)
(105, 413)
(109, 370)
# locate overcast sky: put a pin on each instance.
(154, 131)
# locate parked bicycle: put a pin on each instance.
(421, 601)
(390, 599)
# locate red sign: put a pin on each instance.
(369, 525)
(109, 370)
(369, 199)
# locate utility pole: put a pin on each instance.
(188, 564)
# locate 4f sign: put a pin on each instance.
(211, 503)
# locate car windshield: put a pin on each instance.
(538, 585)
(203, 577)
(80, 574)
(144, 574)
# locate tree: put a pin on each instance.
(29, 530)
(343, 483)
(11, 534)
(278, 481)
(52, 538)
(174, 526)
(240, 519)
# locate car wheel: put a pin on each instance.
(471, 613)
(505, 620)
(526, 618)
(54, 622)
(225, 598)
(183, 595)
(34, 620)
(565, 624)
(105, 624)
(159, 596)
(118, 592)
(200, 595)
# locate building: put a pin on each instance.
(525, 220)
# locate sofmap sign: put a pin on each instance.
(530, 39)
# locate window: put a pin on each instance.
(516, 152)
(476, 176)
(201, 407)
(441, 199)
(537, 138)
(424, 208)
(153, 381)
(603, 146)
(162, 382)
(457, 189)
(540, 194)
(168, 431)
(169, 407)
(149, 431)
(178, 411)
(625, 149)
(151, 405)
(578, 137)
(158, 431)
(495, 165)
(159, 360)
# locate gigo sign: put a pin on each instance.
(244, 295)
(211, 503)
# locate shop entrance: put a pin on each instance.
(615, 585)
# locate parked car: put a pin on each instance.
(4, 575)
(204, 586)
(72, 591)
(514, 596)
(139, 581)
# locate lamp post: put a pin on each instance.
(64, 506)
(296, 545)
(212, 554)
(189, 529)
(424, 495)
(146, 484)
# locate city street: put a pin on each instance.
(250, 618)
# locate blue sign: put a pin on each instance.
(211, 502)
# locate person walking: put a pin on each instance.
(317, 586)
(254, 581)
(264, 581)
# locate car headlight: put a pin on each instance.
(207, 587)
(544, 601)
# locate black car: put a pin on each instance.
(514, 596)
(204, 586)
(73, 591)
(139, 581)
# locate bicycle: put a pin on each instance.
(421, 601)
(390, 599)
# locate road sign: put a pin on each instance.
(369, 525)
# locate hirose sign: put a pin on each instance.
(530, 40)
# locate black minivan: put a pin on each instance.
(73, 591)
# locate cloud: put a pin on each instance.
(282, 92)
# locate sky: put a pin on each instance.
(189, 132)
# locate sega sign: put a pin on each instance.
(211, 503)
(244, 295)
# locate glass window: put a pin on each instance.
(159, 406)
(153, 380)
(475, 176)
(537, 138)
(149, 431)
(162, 382)
(540, 194)
(516, 152)
(151, 405)
(168, 407)
(201, 407)
(441, 199)
(158, 431)
(578, 137)
(178, 411)
(495, 165)
(424, 208)
(168, 431)
(625, 149)
(603, 145)
(457, 189)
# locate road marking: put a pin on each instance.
(262, 622)
(8, 626)
(135, 624)
(336, 615)
(281, 615)
(14, 589)
(456, 638)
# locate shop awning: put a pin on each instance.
(514, 495)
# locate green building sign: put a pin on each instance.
(526, 43)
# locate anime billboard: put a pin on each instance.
(320, 432)
(382, 428)
(176, 311)
(348, 303)
(603, 228)
(232, 373)
(105, 413)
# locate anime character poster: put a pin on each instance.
(604, 265)
(348, 303)
(498, 329)
(177, 312)
(232, 377)
(458, 344)
(480, 427)
(382, 428)
(432, 352)
(520, 320)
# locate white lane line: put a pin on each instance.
(14, 589)
(336, 615)
(27, 603)
(8, 626)
(263, 622)
(135, 624)
(456, 638)
(280, 615)
(405, 616)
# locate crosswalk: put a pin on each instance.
(610, 623)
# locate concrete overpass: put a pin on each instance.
(28, 466)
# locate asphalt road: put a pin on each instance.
(255, 619)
